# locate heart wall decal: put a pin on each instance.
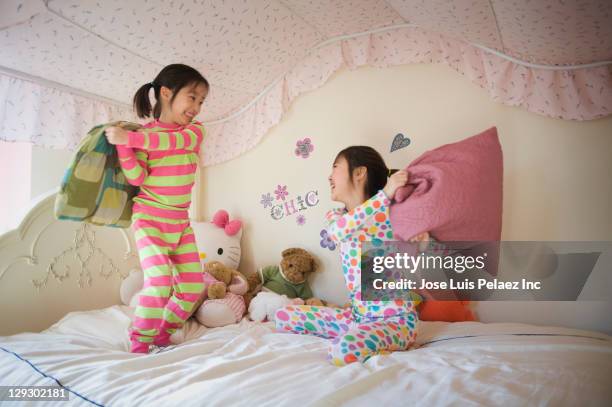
(399, 141)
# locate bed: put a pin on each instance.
(249, 363)
(85, 351)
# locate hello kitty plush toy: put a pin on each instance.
(217, 240)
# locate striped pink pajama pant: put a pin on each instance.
(173, 279)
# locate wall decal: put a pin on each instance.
(326, 241)
(294, 205)
(399, 141)
(266, 200)
(281, 192)
(300, 220)
(304, 148)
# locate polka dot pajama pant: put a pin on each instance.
(351, 340)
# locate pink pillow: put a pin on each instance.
(454, 192)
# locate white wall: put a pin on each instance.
(556, 173)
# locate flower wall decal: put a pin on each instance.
(300, 220)
(304, 148)
(281, 192)
(326, 241)
(266, 200)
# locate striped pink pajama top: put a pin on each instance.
(162, 160)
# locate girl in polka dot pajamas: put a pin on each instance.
(367, 327)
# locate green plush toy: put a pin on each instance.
(289, 278)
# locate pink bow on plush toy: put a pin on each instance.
(221, 219)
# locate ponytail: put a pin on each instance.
(142, 104)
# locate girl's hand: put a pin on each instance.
(397, 180)
(116, 135)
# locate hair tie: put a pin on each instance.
(152, 83)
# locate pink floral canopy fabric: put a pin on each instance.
(66, 65)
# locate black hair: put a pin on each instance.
(175, 77)
(364, 156)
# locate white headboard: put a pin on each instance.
(50, 267)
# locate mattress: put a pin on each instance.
(248, 363)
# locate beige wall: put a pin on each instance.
(556, 183)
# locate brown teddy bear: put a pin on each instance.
(289, 278)
(222, 274)
(221, 302)
(224, 277)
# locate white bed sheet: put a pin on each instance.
(250, 364)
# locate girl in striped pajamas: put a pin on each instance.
(161, 158)
(360, 180)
